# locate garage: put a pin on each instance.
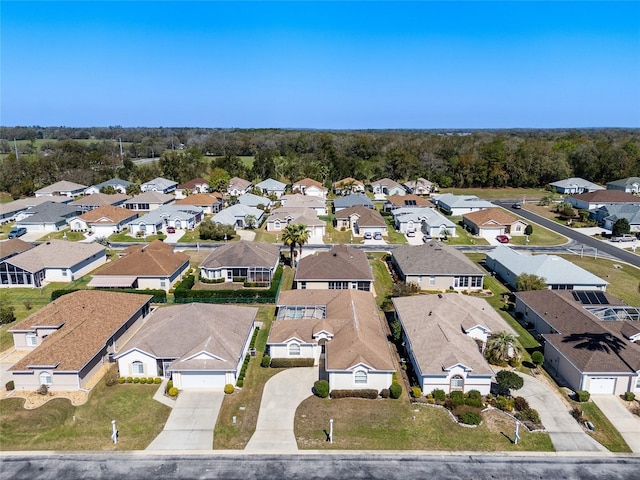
(202, 380)
(491, 233)
(602, 385)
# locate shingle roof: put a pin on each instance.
(409, 200)
(491, 215)
(151, 197)
(368, 217)
(24, 203)
(56, 253)
(308, 182)
(615, 212)
(462, 201)
(89, 318)
(271, 184)
(352, 200)
(155, 259)
(62, 186)
(162, 183)
(49, 212)
(299, 200)
(253, 200)
(347, 182)
(101, 199)
(12, 247)
(340, 263)
(174, 212)
(418, 214)
(613, 196)
(239, 183)
(229, 215)
(114, 182)
(191, 184)
(624, 182)
(200, 199)
(297, 215)
(107, 214)
(387, 182)
(433, 258)
(243, 254)
(578, 182)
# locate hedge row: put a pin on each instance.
(187, 283)
(291, 362)
(159, 296)
(370, 393)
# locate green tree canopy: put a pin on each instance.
(620, 227)
(528, 281)
(501, 347)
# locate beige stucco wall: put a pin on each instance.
(125, 362)
(345, 380)
(306, 351)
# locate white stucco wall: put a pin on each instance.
(307, 350)
(344, 380)
(149, 362)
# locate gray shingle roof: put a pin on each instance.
(352, 200)
(433, 258)
(61, 186)
(243, 254)
(340, 263)
(56, 253)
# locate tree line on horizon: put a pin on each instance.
(472, 158)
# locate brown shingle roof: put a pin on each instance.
(340, 263)
(243, 254)
(200, 199)
(90, 318)
(433, 258)
(347, 181)
(308, 182)
(56, 253)
(107, 214)
(154, 259)
(13, 246)
(408, 200)
(491, 215)
(368, 217)
(607, 196)
(191, 184)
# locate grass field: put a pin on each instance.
(65, 234)
(125, 237)
(605, 433)
(382, 281)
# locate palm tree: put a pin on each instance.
(290, 237)
(303, 236)
(502, 346)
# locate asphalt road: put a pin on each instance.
(591, 244)
(357, 465)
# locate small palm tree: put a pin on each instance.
(303, 236)
(503, 346)
(290, 238)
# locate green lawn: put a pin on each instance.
(498, 193)
(125, 237)
(288, 274)
(65, 234)
(605, 433)
(5, 229)
(386, 424)
(52, 426)
(340, 237)
(382, 281)
(463, 236)
(540, 236)
(263, 236)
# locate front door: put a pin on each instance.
(165, 369)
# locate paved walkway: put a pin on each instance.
(625, 422)
(280, 399)
(565, 433)
(191, 422)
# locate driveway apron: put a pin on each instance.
(280, 399)
(625, 422)
(565, 433)
(191, 422)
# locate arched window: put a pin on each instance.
(360, 377)
(457, 382)
(294, 349)
(137, 368)
(277, 225)
(45, 378)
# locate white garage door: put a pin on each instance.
(602, 385)
(202, 380)
(491, 232)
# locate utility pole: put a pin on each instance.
(15, 147)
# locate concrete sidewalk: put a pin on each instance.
(191, 422)
(565, 433)
(625, 422)
(280, 399)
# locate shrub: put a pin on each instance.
(240, 383)
(43, 389)
(186, 283)
(582, 396)
(578, 414)
(229, 389)
(321, 388)
(266, 361)
(10, 385)
(169, 385)
(470, 418)
(520, 403)
(129, 380)
(395, 390)
(474, 402)
(457, 397)
(416, 392)
(136, 380)
(173, 391)
(121, 380)
(504, 403)
(537, 358)
(142, 380)
(150, 380)
(509, 380)
(628, 396)
(157, 380)
(528, 415)
(291, 362)
(385, 393)
(439, 395)
(7, 314)
(474, 394)
(369, 393)
(514, 362)
(111, 377)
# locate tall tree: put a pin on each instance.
(528, 281)
(501, 347)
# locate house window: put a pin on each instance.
(360, 377)
(432, 281)
(277, 226)
(457, 382)
(163, 283)
(294, 349)
(64, 273)
(31, 340)
(137, 368)
(476, 282)
(45, 378)
(364, 286)
(303, 285)
(338, 285)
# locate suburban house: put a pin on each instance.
(154, 265)
(210, 203)
(46, 217)
(196, 185)
(83, 330)
(492, 222)
(185, 217)
(272, 187)
(570, 186)
(12, 247)
(302, 201)
(628, 185)
(242, 261)
(51, 261)
(148, 201)
(610, 214)
(89, 202)
(386, 187)
(558, 273)
(342, 329)
(361, 220)
(64, 188)
(310, 187)
(435, 266)
(456, 205)
(208, 353)
(352, 200)
(600, 198)
(251, 200)
(117, 184)
(444, 336)
(340, 268)
(236, 215)
(10, 211)
(347, 186)
(283, 216)
(160, 185)
(238, 186)
(103, 221)
(406, 201)
(591, 339)
(426, 220)
(421, 186)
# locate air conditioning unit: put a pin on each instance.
(252, 352)
(110, 357)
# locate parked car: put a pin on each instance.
(368, 236)
(502, 239)
(516, 206)
(171, 230)
(621, 238)
(17, 232)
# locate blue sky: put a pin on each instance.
(331, 65)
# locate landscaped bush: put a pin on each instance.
(520, 403)
(474, 402)
(509, 380)
(129, 380)
(187, 283)
(578, 414)
(504, 403)
(629, 396)
(385, 393)
(266, 361)
(528, 415)
(470, 418)
(582, 396)
(136, 380)
(321, 388)
(395, 390)
(229, 389)
(159, 296)
(514, 362)
(157, 380)
(537, 358)
(215, 280)
(474, 394)
(369, 393)
(457, 397)
(173, 391)
(121, 380)
(43, 389)
(150, 380)
(10, 385)
(291, 362)
(416, 392)
(169, 386)
(439, 395)
(111, 377)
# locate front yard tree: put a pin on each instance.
(528, 281)
(528, 230)
(509, 380)
(620, 227)
(501, 347)
(250, 221)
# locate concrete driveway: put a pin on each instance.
(280, 399)
(191, 422)
(566, 434)
(625, 422)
